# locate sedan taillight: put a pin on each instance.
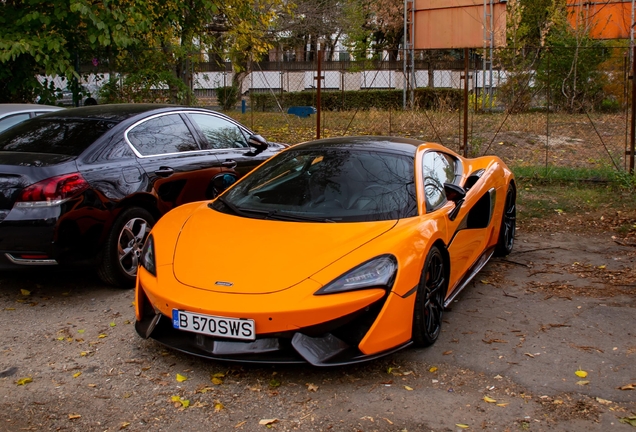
(52, 191)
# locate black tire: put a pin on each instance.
(120, 255)
(508, 227)
(429, 301)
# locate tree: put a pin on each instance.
(158, 41)
(38, 36)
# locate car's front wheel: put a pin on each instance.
(429, 301)
(121, 252)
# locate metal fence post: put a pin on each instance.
(465, 141)
(318, 91)
(547, 117)
(633, 125)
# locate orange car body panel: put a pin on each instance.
(307, 256)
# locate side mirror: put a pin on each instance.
(258, 142)
(454, 193)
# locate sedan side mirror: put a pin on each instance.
(258, 142)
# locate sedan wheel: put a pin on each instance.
(122, 250)
(508, 224)
(429, 303)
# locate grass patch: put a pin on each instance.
(544, 201)
(552, 174)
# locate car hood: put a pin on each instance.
(231, 254)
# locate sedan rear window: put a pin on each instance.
(63, 136)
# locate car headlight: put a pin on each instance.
(147, 260)
(378, 272)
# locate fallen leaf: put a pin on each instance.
(311, 387)
(112, 324)
(602, 266)
(92, 385)
(267, 421)
(274, 383)
(61, 338)
(25, 292)
(217, 381)
(529, 355)
(124, 425)
(408, 388)
(76, 374)
(218, 406)
(447, 352)
(630, 386)
(462, 426)
(179, 400)
(485, 282)
(73, 416)
(580, 373)
(582, 383)
(23, 381)
(102, 336)
(503, 404)
(489, 399)
(181, 378)
(81, 331)
(631, 420)
(492, 341)
(238, 425)
(387, 420)
(603, 401)
(433, 369)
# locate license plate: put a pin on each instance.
(213, 325)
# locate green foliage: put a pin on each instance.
(146, 86)
(38, 36)
(425, 98)
(48, 93)
(228, 97)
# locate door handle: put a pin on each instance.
(164, 171)
(229, 163)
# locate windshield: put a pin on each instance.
(62, 136)
(328, 185)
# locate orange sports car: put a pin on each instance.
(333, 251)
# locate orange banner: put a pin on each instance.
(609, 19)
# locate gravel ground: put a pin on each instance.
(506, 360)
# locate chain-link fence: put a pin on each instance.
(539, 109)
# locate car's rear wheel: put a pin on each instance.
(120, 256)
(429, 302)
(508, 224)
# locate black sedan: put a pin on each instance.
(85, 185)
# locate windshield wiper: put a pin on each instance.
(270, 214)
(236, 210)
(296, 218)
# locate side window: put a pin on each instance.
(11, 120)
(218, 132)
(437, 168)
(162, 135)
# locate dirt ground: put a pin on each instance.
(507, 359)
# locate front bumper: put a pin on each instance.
(331, 343)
